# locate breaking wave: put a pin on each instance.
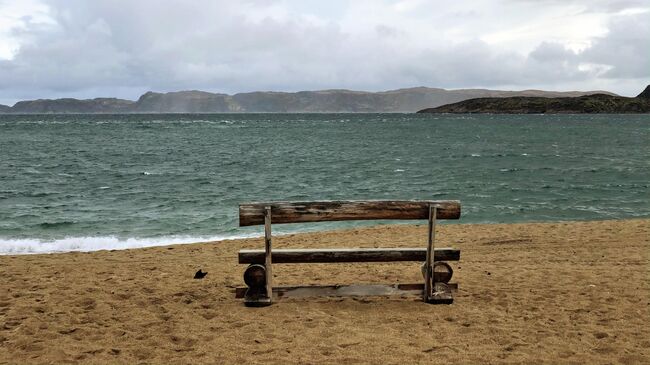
(22, 246)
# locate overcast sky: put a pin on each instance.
(91, 48)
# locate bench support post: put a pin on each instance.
(263, 297)
(428, 265)
(267, 251)
(434, 292)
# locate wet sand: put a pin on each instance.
(570, 293)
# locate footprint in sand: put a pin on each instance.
(601, 335)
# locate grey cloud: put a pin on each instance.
(552, 61)
(626, 48)
(176, 46)
(101, 47)
(462, 65)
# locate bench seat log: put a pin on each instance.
(346, 290)
(251, 214)
(287, 256)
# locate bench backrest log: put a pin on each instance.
(251, 214)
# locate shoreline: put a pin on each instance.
(562, 292)
(164, 241)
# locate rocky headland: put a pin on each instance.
(595, 103)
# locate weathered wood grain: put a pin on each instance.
(267, 251)
(295, 212)
(430, 257)
(442, 294)
(288, 256)
(345, 290)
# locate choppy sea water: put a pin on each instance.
(88, 182)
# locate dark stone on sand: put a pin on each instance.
(200, 274)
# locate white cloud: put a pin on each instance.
(122, 48)
(17, 17)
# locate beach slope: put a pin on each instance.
(570, 292)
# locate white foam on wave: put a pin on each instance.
(24, 246)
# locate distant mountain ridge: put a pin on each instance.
(69, 105)
(322, 101)
(595, 103)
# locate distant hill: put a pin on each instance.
(596, 103)
(182, 102)
(323, 101)
(4, 108)
(69, 105)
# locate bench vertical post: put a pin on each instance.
(428, 266)
(267, 252)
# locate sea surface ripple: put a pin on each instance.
(88, 182)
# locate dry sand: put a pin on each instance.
(529, 293)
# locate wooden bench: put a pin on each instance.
(258, 276)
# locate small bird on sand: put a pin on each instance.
(200, 274)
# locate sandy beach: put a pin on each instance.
(568, 292)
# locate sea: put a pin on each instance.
(93, 182)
